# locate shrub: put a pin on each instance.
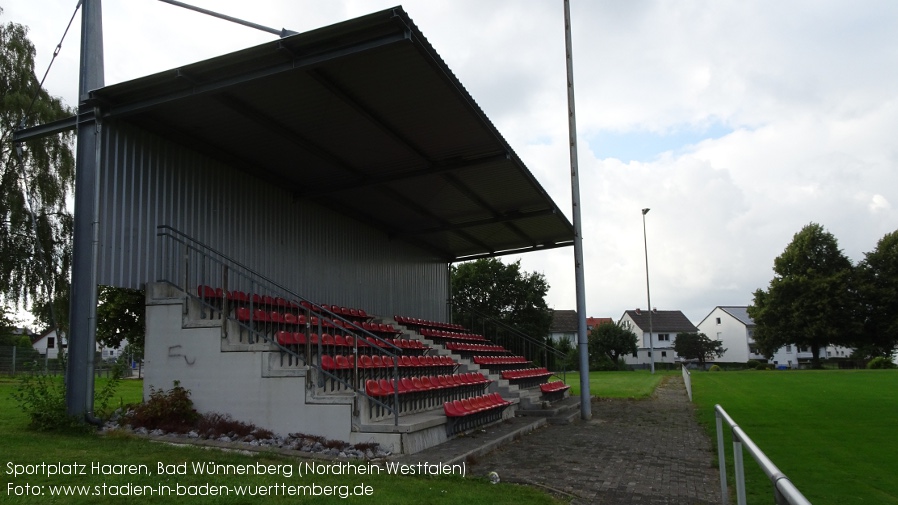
(165, 410)
(42, 398)
(714, 368)
(761, 366)
(880, 362)
(750, 364)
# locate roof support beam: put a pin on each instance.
(294, 63)
(483, 222)
(284, 131)
(367, 113)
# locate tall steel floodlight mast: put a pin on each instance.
(648, 292)
(583, 343)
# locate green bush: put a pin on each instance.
(165, 410)
(750, 364)
(42, 398)
(714, 368)
(880, 363)
(761, 366)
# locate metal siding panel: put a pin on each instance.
(327, 257)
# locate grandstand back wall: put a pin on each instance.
(147, 181)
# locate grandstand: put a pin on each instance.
(292, 209)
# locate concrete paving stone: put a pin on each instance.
(631, 452)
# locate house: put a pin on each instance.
(735, 328)
(564, 325)
(665, 324)
(48, 344)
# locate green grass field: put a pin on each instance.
(21, 446)
(831, 432)
(638, 384)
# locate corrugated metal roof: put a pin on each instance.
(365, 118)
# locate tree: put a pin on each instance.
(34, 265)
(811, 301)
(503, 292)
(698, 346)
(877, 277)
(610, 341)
(120, 316)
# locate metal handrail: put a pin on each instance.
(257, 280)
(784, 491)
(541, 344)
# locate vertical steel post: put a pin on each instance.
(583, 343)
(83, 304)
(739, 469)
(721, 460)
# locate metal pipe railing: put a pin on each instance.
(784, 491)
(200, 262)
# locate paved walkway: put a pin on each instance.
(646, 452)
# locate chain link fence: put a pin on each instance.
(17, 360)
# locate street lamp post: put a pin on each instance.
(648, 292)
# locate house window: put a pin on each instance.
(718, 320)
(51, 343)
(664, 337)
(635, 354)
(788, 348)
(663, 354)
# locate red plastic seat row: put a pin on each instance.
(380, 328)
(408, 385)
(476, 405)
(500, 360)
(526, 373)
(468, 347)
(423, 323)
(552, 387)
(453, 335)
(364, 361)
(239, 297)
(350, 313)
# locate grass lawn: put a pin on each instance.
(638, 384)
(21, 446)
(831, 432)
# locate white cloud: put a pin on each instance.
(800, 97)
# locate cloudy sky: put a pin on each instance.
(735, 122)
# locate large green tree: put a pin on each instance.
(609, 343)
(698, 346)
(811, 301)
(120, 316)
(35, 240)
(503, 292)
(878, 291)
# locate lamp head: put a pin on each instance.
(645, 211)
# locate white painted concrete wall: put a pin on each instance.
(231, 382)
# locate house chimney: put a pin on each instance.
(637, 311)
(655, 310)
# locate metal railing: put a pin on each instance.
(189, 264)
(784, 491)
(687, 381)
(513, 339)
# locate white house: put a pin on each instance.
(48, 344)
(565, 325)
(735, 328)
(732, 326)
(665, 324)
